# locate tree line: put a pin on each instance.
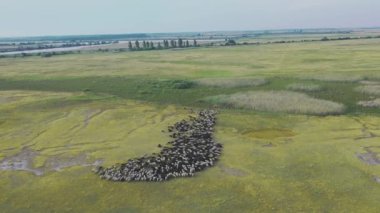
(165, 44)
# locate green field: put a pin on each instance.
(62, 115)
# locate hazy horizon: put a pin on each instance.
(85, 17)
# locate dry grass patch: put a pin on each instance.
(279, 101)
(304, 87)
(371, 104)
(369, 89)
(334, 78)
(370, 82)
(231, 82)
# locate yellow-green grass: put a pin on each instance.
(304, 87)
(63, 125)
(231, 82)
(369, 89)
(278, 101)
(372, 103)
(270, 162)
(341, 58)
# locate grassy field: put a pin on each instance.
(61, 116)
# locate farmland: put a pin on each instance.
(63, 115)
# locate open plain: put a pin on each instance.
(62, 116)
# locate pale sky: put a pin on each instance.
(71, 17)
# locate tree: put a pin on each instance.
(130, 46)
(187, 43)
(151, 45)
(172, 43)
(325, 39)
(144, 45)
(195, 43)
(180, 42)
(159, 46)
(230, 42)
(137, 44)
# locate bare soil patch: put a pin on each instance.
(369, 157)
(23, 161)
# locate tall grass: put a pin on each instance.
(278, 101)
(231, 82)
(371, 104)
(335, 78)
(304, 87)
(370, 82)
(369, 89)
